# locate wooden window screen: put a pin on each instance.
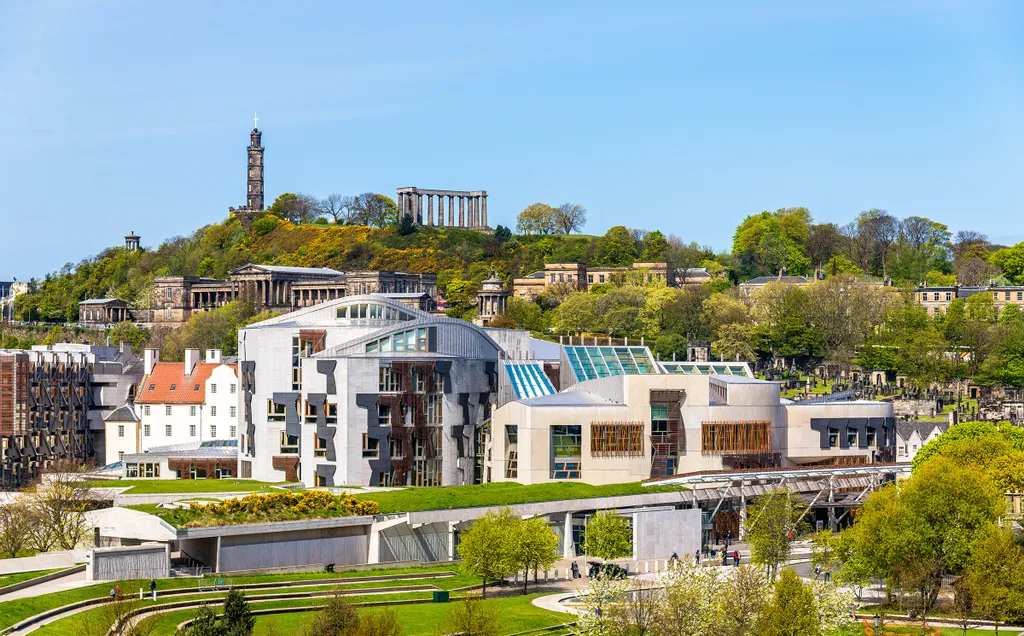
(745, 436)
(617, 439)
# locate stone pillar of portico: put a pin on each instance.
(483, 220)
(430, 210)
(451, 210)
(476, 211)
(462, 211)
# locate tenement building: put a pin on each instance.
(622, 416)
(280, 288)
(419, 204)
(53, 400)
(936, 300)
(579, 277)
(364, 390)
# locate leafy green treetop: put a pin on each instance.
(609, 535)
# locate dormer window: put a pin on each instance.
(152, 387)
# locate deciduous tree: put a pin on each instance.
(487, 547)
(570, 217)
(772, 521)
(609, 536)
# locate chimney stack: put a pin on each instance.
(191, 360)
(151, 357)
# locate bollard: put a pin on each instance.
(140, 593)
(647, 567)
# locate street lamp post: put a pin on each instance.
(878, 623)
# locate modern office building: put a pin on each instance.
(365, 390)
(622, 416)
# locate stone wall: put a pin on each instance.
(913, 408)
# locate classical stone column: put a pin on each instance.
(476, 212)
(430, 209)
(462, 211)
(483, 221)
(451, 210)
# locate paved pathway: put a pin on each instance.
(68, 582)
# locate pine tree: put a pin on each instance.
(238, 619)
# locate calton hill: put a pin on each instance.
(853, 310)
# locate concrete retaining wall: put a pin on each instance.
(341, 546)
(43, 561)
(147, 561)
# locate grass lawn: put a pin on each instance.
(11, 579)
(15, 611)
(499, 494)
(171, 486)
(92, 621)
(516, 613)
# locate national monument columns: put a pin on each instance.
(472, 207)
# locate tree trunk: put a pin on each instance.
(526, 576)
(483, 593)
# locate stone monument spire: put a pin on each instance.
(254, 199)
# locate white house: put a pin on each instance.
(177, 402)
(912, 436)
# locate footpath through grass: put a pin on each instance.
(499, 494)
(12, 612)
(175, 486)
(866, 629)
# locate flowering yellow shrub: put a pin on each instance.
(304, 503)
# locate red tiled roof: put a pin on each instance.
(156, 387)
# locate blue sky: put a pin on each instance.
(118, 116)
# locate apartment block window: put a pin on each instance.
(397, 449)
(1006, 295)
(233, 411)
(192, 411)
(213, 411)
(275, 412)
(389, 381)
(371, 446)
(145, 410)
(512, 433)
(434, 410)
(419, 382)
(120, 456)
(851, 437)
(871, 437)
(213, 388)
(995, 295)
(833, 438)
(213, 430)
(1020, 296)
(167, 430)
(561, 278)
(426, 473)
(438, 382)
(949, 296)
(600, 278)
(145, 430)
(552, 278)
(232, 388)
(191, 430)
(383, 415)
(234, 431)
(289, 444)
(120, 430)
(319, 447)
(590, 279)
(167, 410)
(386, 478)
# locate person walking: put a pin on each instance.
(576, 571)
(152, 588)
(696, 557)
(736, 558)
(725, 557)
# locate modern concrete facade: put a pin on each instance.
(53, 400)
(472, 207)
(364, 390)
(658, 420)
